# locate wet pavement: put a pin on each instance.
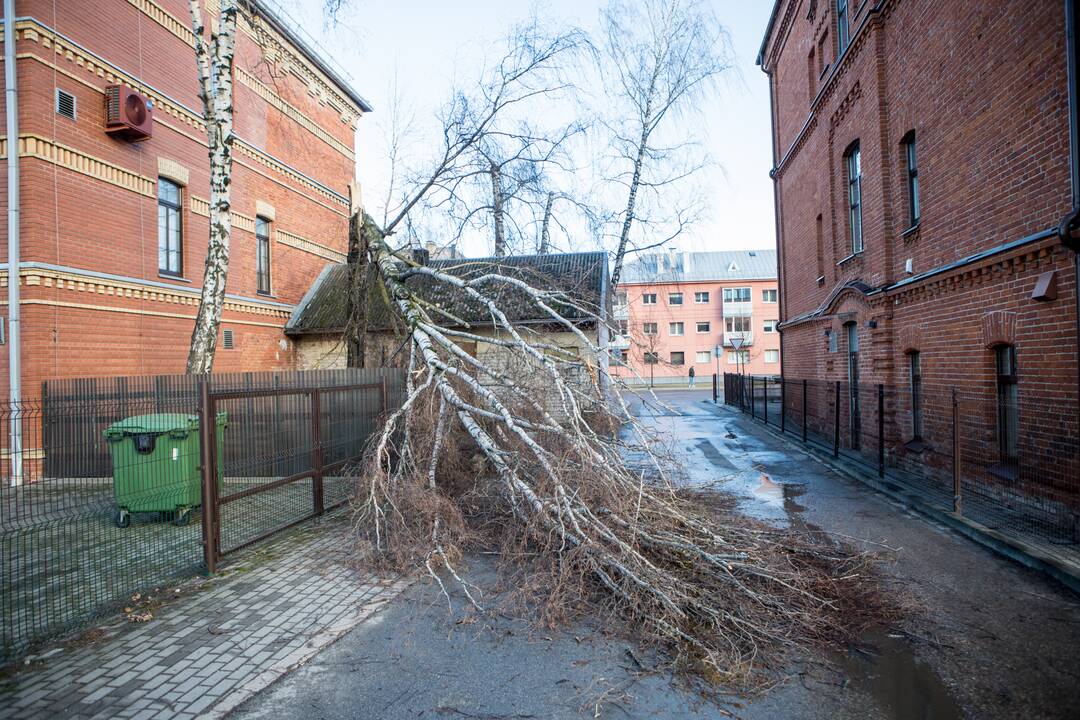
(984, 637)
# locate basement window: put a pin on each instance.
(65, 104)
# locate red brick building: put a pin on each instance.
(921, 165)
(114, 232)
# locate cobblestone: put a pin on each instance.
(205, 654)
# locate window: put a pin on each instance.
(768, 296)
(704, 327)
(701, 298)
(702, 356)
(737, 294)
(737, 324)
(770, 326)
(772, 356)
(1008, 416)
(651, 358)
(624, 327)
(620, 298)
(736, 357)
(912, 163)
(170, 248)
(649, 328)
(648, 298)
(842, 30)
(819, 236)
(675, 328)
(674, 298)
(678, 358)
(853, 165)
(915, 377)
(262, 255)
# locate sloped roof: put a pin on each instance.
(701, 266)
(582, 277)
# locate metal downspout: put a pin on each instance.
(1073, 63)
(11, 108)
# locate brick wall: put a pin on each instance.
(89, 200)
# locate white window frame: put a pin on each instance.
(707, 324)
(671, 298)
(769, 326)
(645, 328)
(745, 320)
(702, 353)
(648, 298)
(701, 298)
(729, 294)
(775, 354)
(765, 292)
(676, 329)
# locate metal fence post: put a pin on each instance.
(881, 430)
(715, 381)
(765, 397)
(753, 404)
(783, 406)
(208, 471)
(836, 423)
(957, 499)
(317, 498)
(804, 410)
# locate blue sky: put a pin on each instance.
(425, 44)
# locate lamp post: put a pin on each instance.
(736, 344)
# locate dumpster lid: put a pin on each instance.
(157, 423)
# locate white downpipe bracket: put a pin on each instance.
(14, 310)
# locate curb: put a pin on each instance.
(1026, 554)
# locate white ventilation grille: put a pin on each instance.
(65, 104)
(227, 339)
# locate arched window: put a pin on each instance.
(853, 171)
(1007, 411)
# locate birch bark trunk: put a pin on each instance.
(545, 228)
(497, 208)
(215, 61)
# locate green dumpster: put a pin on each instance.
(156, 462)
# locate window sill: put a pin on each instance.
(821, 280)
(267, 295)
(850, 257)
(910, 232)
(1007, 471)
(177, 278)
(915, 445)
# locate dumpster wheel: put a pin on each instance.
(121, 518)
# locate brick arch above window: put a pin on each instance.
(172, 170)
(999, 328)
(911, 338)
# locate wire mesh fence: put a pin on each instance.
(105, 497)
(1007, 462)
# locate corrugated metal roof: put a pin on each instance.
(582, 277)
(674, 266)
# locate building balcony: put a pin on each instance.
(746, 338)
(737, 309)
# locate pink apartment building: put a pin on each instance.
(675, 309)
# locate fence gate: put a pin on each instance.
(283, 456)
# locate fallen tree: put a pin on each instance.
(507, 449)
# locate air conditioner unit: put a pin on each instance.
(128, 114)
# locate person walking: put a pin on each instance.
(691, 376)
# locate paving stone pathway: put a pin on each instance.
(203, 655)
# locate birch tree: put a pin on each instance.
(214, 61)
(663, 56)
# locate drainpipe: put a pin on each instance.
(14, 310)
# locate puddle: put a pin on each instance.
(906, 688)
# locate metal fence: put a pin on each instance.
(1010, 464)
(108, 499)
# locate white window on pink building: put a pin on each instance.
(648, 298)
(649, 328)
(675, 328)
(674, 298)
(770, 326)
(704, 327)
(768, 296)
(772, 356)
(703, 356)
(701, 298)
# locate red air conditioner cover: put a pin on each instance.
(128, 114)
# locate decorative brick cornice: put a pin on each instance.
(845, 105)
(310, 246)
(35, 146)
(165, 19)
(132, 289)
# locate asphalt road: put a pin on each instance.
(986, 638)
